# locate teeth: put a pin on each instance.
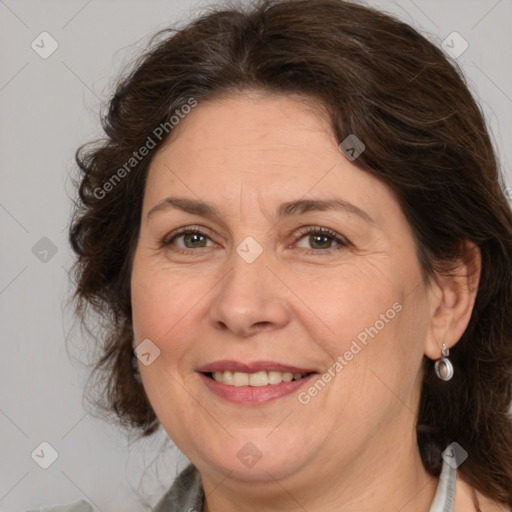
(228, 378)
(240, 379)
(257, 379)
(275, 377)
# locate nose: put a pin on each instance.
(250, 299)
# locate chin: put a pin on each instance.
(260, 460)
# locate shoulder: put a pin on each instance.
(186, 493)
(77, 506)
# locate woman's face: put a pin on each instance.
(298, 262)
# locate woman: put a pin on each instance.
(297, 233)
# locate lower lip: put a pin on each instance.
(253, 395)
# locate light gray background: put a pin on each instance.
(49, 107)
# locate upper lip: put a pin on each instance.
(251, 367)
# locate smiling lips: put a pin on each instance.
(254, 382)
(257, 379)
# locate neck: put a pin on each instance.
(385, 476)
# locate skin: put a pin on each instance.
(301, 302)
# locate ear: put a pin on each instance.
(451, 299)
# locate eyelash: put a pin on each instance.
(307, 230)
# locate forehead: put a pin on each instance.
(249, 123)
(257, 146)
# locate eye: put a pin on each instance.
(321, 239)
(190, 238)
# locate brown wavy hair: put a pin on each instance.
(425, 137)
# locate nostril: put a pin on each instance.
(262, 325)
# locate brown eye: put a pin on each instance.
(187, 239)
(194, 239)
(321, 240)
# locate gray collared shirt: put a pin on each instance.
(185, 495)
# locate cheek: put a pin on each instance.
(353, 305)
(373, 323)
(161, 301)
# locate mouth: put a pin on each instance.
(253, 383)
(257, 379)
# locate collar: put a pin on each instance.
(445, 494)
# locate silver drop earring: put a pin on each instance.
(443, 366)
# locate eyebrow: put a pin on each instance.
(298, 207)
